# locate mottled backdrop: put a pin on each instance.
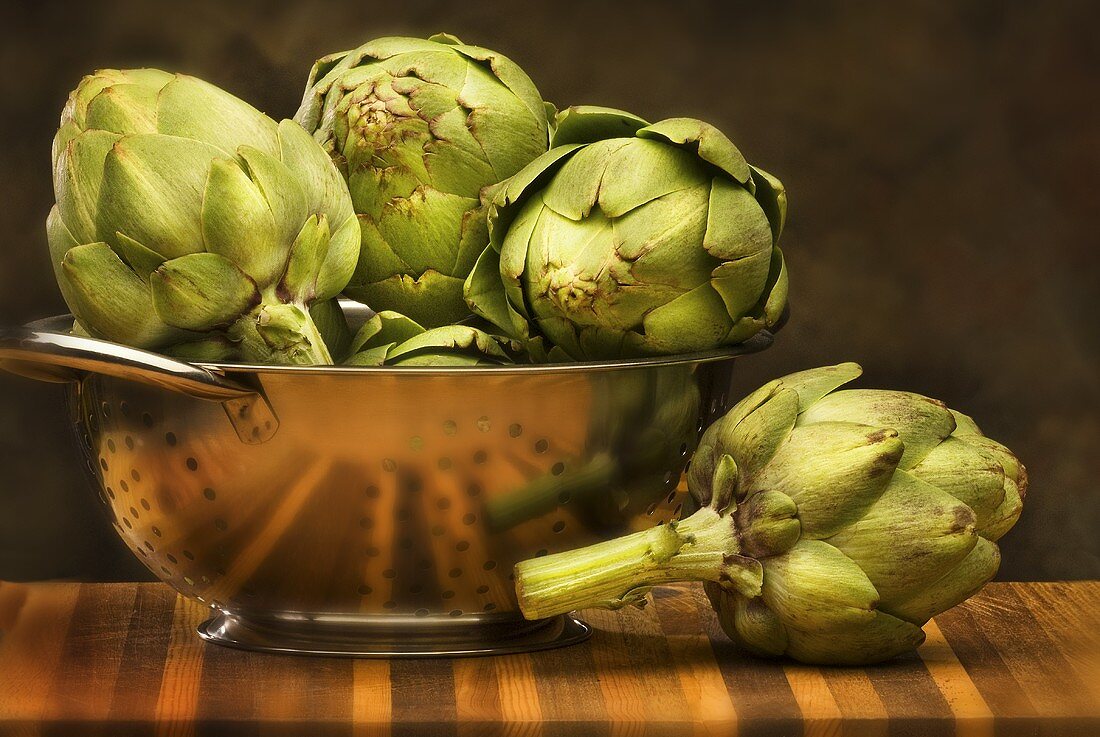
(942, 160)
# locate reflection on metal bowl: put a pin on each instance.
(374, 511)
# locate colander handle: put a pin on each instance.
(62, 357)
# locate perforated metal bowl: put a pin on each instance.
(374, 511)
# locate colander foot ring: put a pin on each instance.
(232, 630)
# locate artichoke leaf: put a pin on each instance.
(834, 472)
(710, 143)
(922, 423)
(591, 123)
(814, 586)
(202, 291)
(238, 223)
(910, 537)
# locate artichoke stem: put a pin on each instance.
(281, 334)
(615, 573)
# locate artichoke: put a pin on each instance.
(189, 222)
(833, 524)
(420, 128)
(630, 239)
(392, 339)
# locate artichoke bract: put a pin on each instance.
(832, 524)
(420, 128)
(392, 339)
(189, 222)
(629, 239)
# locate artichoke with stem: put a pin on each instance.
(832, 523)
(629, 239)
(422, 129)
(191, 223)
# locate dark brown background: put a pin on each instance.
(942, 161)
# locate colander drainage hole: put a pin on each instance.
(676, 512)
(671, 496)
(515, 429)
(483, 589)
(559, 526)
(450, 427)
(651, 509)
(456, 612)
(462, 546)
(365, 523)
(480, 456)
(490, 565)
(372, 492)
(146, 419)
(389, 465)
(106, 409)
(192, 464)
(172, 559)
(126, 522)
(123, 485)
(188, 554)
(444, 463)
(103, 463)
(455, 572)
(145, 505)
(416, 589)
(167, 570)
(372, 552)
(149, 545)
(221, 524)
(156, 531)
(210, 494)
(170, 438)
(111, 445)
(133, 512)
(443, 503)
(490, 606)
(365, 590)
(473, 489)
(110, 492)
(129, 442)
(125, 408)
(483, 424)
(135, 475)
(437, 530)
(421, 612)
(563, 498)
(542, 446)
(469, 519)
(448, 594)
(558, 468)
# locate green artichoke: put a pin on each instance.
(833, 524)
(392, 339)
(629, 239)
(189, 222)
(420, 128)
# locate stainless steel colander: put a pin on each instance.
(374, 511)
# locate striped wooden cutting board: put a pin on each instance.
(123, 658)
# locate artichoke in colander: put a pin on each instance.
(189, 222)
(629, 239)
(832, 524)
(392, 339)
(420, 128)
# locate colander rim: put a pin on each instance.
(762, 340)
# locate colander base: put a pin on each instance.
(367, 640)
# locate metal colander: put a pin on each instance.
(374, 511)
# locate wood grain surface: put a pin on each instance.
(111, 659)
